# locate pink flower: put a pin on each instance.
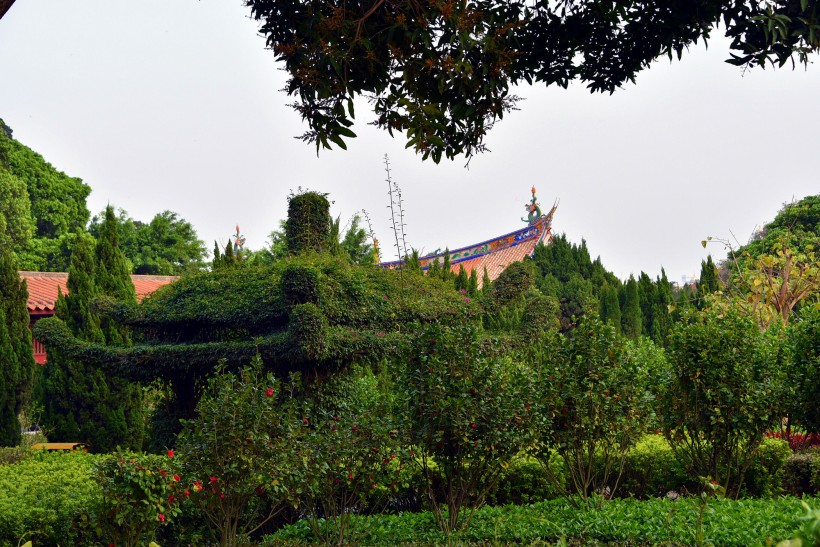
(466, 299)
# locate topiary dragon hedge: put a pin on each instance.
(312, 312)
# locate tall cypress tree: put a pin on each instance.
(647, 296)
(16, 358)
(709, 281)
(81, 403)
(631, 310)
(665, 299)
(472, 284)
(113, 279)
(461, 280)
(486, 284)
(446, 274)
(609, 309)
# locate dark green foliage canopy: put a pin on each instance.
(168, 245)
(82, 402)
(441, 71)
(56, 206)
(16, 357)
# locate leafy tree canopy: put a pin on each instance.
(441, 71)
(168, 245)
(44, 207)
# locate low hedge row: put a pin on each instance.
(624, 522)
(48, 498)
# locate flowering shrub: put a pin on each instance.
(141, 492)
(238, 452)
(353, 462)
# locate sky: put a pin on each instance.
(178, 106)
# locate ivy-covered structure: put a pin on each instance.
(313, 312)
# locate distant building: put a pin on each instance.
(499, 252)
(43, 288)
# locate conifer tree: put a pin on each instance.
(16, 358)
(461, 280)
(631, 310)
(609, 309)
(647, 296)
(446, 274)
(665, 299)
(80, 402)
(709, 281)
(472, 285)
(486, 284)
(112, 277)
(434, 269)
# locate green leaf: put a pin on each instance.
(338, 140)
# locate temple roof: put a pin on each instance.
(494, 254)
(44, 286)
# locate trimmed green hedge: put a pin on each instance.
(49, 498)
(727, 523)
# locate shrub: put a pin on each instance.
(721, 395)
(651, 469)
(141, 493)
(801, 473)
(351, 455)
(597, 386)
(49, 498)
(765, 475)
(804, 368)
(237, 455)
(470, 412)
(525, 481)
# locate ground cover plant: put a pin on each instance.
(623, 522)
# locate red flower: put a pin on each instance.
(214, 479)
(170, 453)
(350, 476)
(171, 499)
(221, 496)
(197, 486)
(162, 472)
(161, 517)
(186, 493)
(305, 420)
(176, 478)
(269, 392)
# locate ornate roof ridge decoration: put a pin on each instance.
(539, 229)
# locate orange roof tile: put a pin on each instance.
(43, 288)
(494, 254)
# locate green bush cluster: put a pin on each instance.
(50, 499)
(801, 472)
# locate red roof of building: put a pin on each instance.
(494, 254)
(43, 288)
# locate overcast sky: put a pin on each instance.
(177, 105)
